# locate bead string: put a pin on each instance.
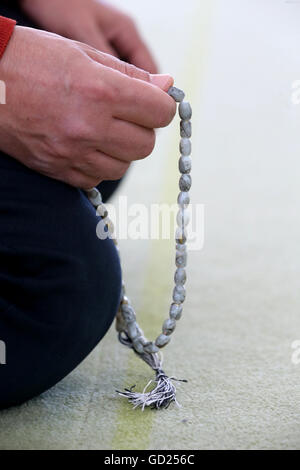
(130, 334)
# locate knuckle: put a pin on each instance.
(84, 182)
(59, 148)
(75, 129)
(119, 171)
(89, 90)
(167, 113)
(70, 178)
(107, 93)
(113, 94)
(134, 72)
(92, 182)
(122, 170)
(148, 144)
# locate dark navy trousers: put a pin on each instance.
(59, 284)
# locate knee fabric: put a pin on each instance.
(59, 284)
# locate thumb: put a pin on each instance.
(164, 82)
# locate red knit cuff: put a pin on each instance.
(6, 29)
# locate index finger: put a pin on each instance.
(141, 102)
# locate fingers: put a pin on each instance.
(132, 94)
(140, 102)
(136, 95)
(130, 46)
(94, 168)
(97, 40)
(130, 142)
(141, 57)
(127, 45)
(121, 32)
(162, 81)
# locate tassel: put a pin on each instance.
(164, 392)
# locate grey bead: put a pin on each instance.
(120, 322)
(185, 110)
(133, 330)
(186, 129)
(176, 311)
(162, 340)
(177, 94)
(183, 218)
(185, 182)
(180, 236)
(150, 348)
(94, 197)
(142, 339)
(139, 348)
(185, 147)
(185, 164)
(128, 313)
(169, 326)
(102, 211)
(179, 294)
(180, 276)
(93, 192)
(183, 199)
(110, 226)
(125, 300)
(181, 259)
(182, 249)
(140, 332)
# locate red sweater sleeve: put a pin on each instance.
(6, 29)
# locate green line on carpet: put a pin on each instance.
(134, 426)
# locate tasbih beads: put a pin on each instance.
(130, 334)
(126, 319)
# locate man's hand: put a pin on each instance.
(94, 23)
(76, 114)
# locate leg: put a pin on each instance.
(59, 284)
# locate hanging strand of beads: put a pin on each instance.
(130, 334)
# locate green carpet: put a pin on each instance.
(236, 60)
